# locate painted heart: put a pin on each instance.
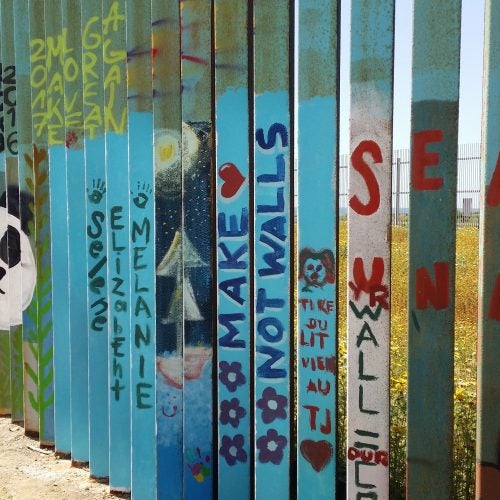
(232, 178)
(317, 453)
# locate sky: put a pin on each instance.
(471, 73)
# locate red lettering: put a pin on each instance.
(437, 294)
(493, 192)
(372, 286)
(382, 457)
(494, 311)
(313, 410)
(422, 159)
(359, 164)
(353, 453)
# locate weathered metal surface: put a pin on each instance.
(233, 243)
(39, 163)
(196, 238)
(142, 237)
(23, 111)
(317, 154)
(436, 46)
(74, 135)
(273, 228)
(96, 210)
(11, 280)
(488, 389)
(369, 252)
(118, 242)
(169, 288)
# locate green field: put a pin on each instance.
(465, 357)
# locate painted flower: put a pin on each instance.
(230, 375)
(232, 449)
(271, 447)
(231, 412)
(273, 405)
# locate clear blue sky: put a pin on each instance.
(471, 73)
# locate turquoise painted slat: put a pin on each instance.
(23, 109)
(5, 296)
(54, 123)
(273, 229)
(118, 234)
(369, 249)
(196, 239)
(11, 201)
(436, 47)
(97, 286)
(53, 128)
(317, 154)
(233, 243)
(77, 241)
(39, 163)
(142, 251)
(168, 201)
(488, 424)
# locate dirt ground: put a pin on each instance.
(27, 474)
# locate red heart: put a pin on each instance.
(232, 178)
(317, 453)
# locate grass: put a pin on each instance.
(465, 358)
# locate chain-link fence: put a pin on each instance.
(469, 168)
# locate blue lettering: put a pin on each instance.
(271, 258)
(266, 370)
(233, 225)
(267, 325)
(274, 130)
(228, 340)
(232, 288)
(232, 261)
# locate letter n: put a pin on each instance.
(438, 293)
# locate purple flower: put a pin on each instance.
(230, 375)
(271, 447)
(232, 449)
(272, 405)
(231, 412)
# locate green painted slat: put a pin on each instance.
(39, 162)
(435, 73)
(167, 150)
(24, 115)
(12, 202)
(488, 384)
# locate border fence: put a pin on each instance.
(168, 313)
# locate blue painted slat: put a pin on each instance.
(118, 234)
(169, 347)
(54, 64)
(233, 247)
(97, 286)
(77, 241)
(272, 249)
(317, 156)
(142, 237)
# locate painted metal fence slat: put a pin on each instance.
(39, 162)
(5, 354)
(74, 135)
(53, 113)
(11, 202)
(488, 382)
(273, 228)
(369, 249)
(96, 211)
(317, 155)
(436, 45)
(118, 242)
(30, 347)
(196, 240)
(233, 244)
(142, 268)
(168, 202)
